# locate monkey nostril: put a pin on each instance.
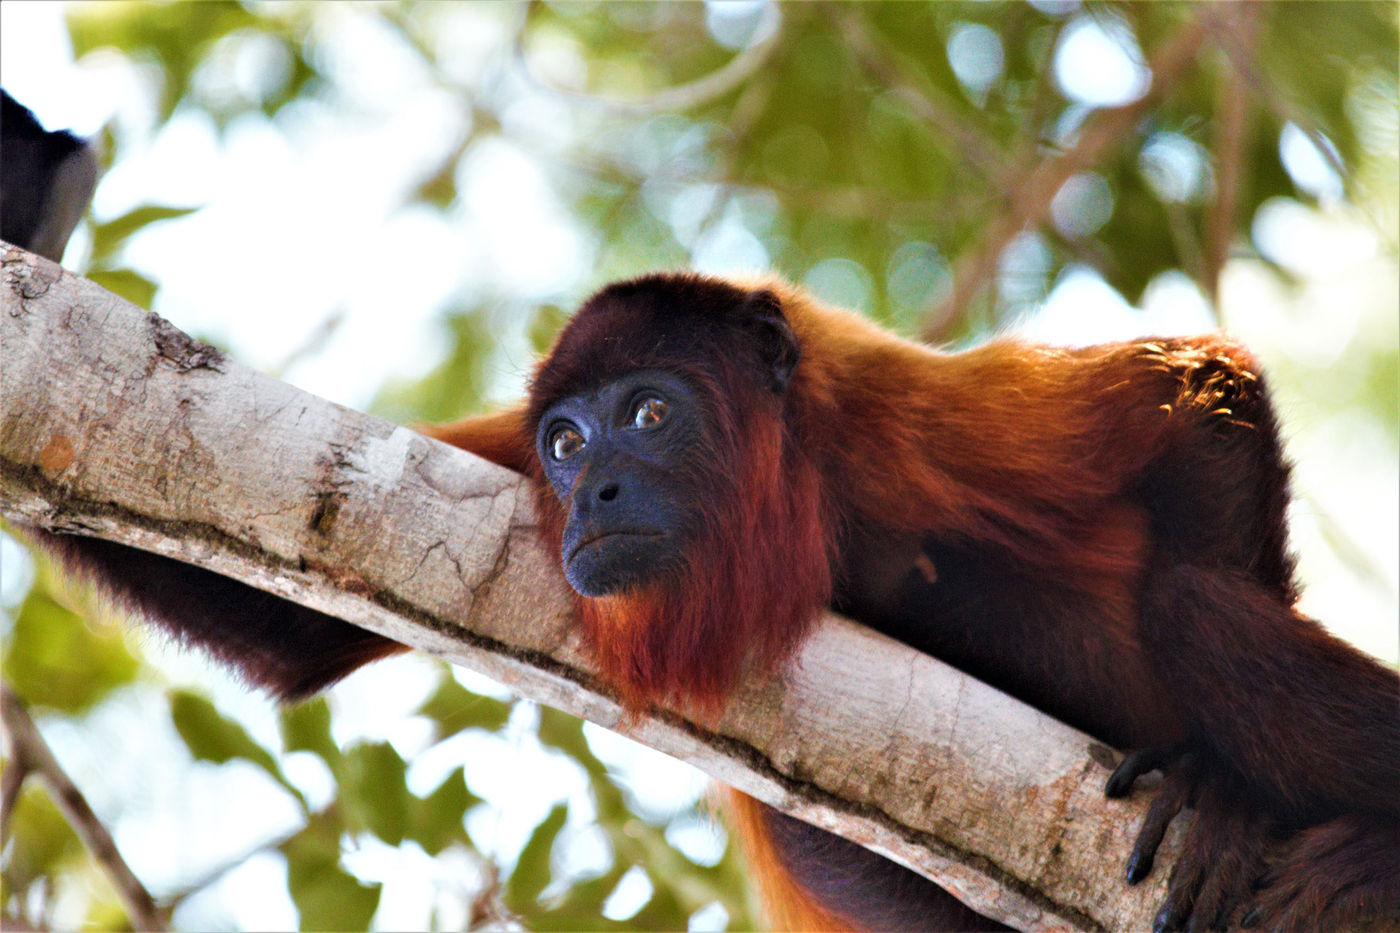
(608, 493)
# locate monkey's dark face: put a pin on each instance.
(620, 458)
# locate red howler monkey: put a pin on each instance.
(718, 461)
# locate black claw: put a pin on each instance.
(1121, 781)
(1139, 866)
(1171, 918)
(1251, 919)
(1135, 764)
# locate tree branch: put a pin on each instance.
(966, 140)
(1235, 43)
(30, 755)
(1241, 23)
(1101, 132)
(689, 96)
(114, 423)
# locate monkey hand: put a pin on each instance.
(1225, 841)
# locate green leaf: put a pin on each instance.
(108, 237)
(55, 658)
(211, 736)
(440, 188)
(437, 819)
(174, 38)
(546, 323)
(334, 899)
(564, 732)
(453, 708)
(662, 911)
(455, 386)
(327, 896)
(40, 843)
(132, 286)
(373, 791)
(532, 870)
(306, 726)
(581, 906)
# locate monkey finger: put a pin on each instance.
(1170, 799)
(1135, 764)
(1172, 915)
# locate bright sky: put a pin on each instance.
(318, 207)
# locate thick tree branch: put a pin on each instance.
(114, 423)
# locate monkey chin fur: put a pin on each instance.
(678, 643)
(755, 582)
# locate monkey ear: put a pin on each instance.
(762, 316)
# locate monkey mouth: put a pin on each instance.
(613, 533)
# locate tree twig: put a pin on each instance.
(29, 753)
(1241, 56)
(11, 783)
(688, 96)
(964, 139)
(1104, 130)
(1239, 22)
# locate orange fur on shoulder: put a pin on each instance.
(503, 437)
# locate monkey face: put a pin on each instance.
(621, 460)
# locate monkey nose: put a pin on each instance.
(607, 492)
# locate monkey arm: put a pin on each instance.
(504, 437)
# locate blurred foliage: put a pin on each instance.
(59, 654)
(814, 154)
(438, 396)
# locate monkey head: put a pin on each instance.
(680, 494)
(643, 417)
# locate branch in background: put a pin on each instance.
(745, 116)
(487, 910)
(1242, 57)
(1238, 23)
(682, 97)
(313, 344)
(1186, 241)
(1100, 134)
(964, 138)
(30, 755)
(12, 781)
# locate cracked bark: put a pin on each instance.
(436, 549)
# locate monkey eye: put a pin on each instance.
(565, 442)
(649, 412)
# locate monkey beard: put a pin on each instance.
(754, 581)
